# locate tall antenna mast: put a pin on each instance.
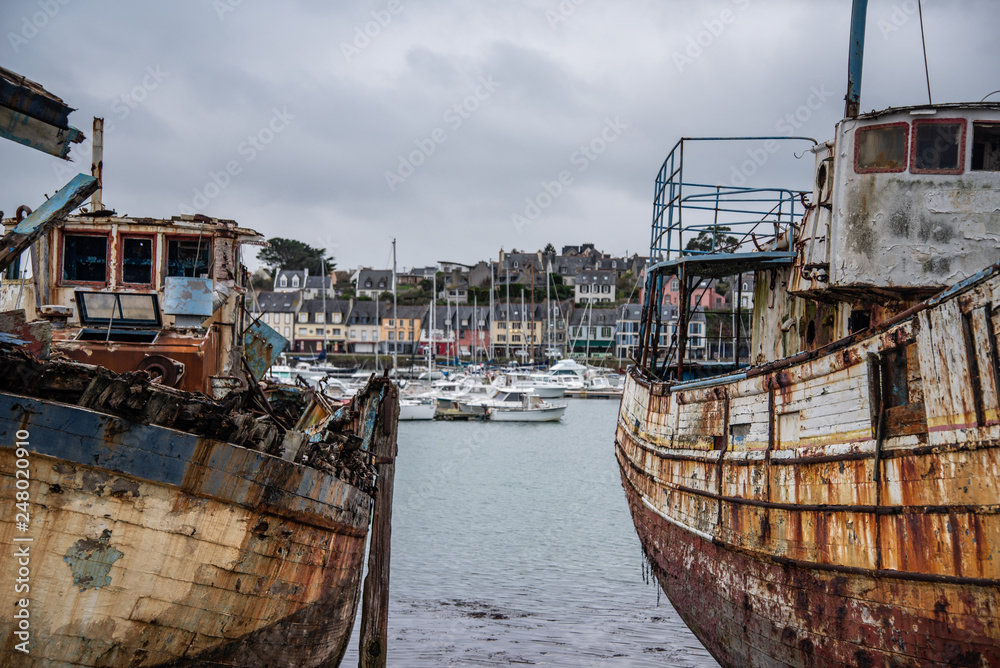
(856, 57)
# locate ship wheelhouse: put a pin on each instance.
(904, 203)
(162, 296)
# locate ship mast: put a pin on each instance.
(856, 58)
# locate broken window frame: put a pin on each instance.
(881, 170)
(902, 415)
(993, 126)
(122, 239)
(206, 242)
(924, 122)
(63, 239)
(119, 316)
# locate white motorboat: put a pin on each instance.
(569, 373)
(336, 388)
(547, 386)
(598, 387)
(288, 374)
(416, 409)
(448, 396)
(514, 406)
(530, 408)
(544, 385)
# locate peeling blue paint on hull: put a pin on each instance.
(156, 547)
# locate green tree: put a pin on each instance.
(261, 282)
(294, 255)
(549, 248)
(625, 286)
(724, 243)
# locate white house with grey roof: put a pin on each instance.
(372, 282)
(594, 286)
(290, 280)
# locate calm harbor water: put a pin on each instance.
(512, 544)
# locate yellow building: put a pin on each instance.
(403, 330)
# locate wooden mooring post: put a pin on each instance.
(375, 597)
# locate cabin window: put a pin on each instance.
(859, 320)
(188, 257)
(100, 308)
(897, 387)
(295, 281)
(938, 146)
(85, 258)
(986, 147)
(137, 260)
(881, 148)
(896, 391)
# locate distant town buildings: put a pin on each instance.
(587, 310)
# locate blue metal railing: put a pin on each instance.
(755, 217)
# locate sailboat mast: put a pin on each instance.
(524, 330)
(322, 264)
(395, 321)
(531, 349)
(507, 338)
(430, 332)
(493, 314)
(548, 308)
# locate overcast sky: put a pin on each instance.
(456, 127)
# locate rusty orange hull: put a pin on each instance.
(151, 546)
(841, 508)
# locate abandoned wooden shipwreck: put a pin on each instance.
(837, 502)
(176, 511)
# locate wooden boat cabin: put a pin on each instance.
(161, 295)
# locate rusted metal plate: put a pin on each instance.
(261, 346)
(183, 295)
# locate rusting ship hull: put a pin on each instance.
(841, 507)
(147, 545)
